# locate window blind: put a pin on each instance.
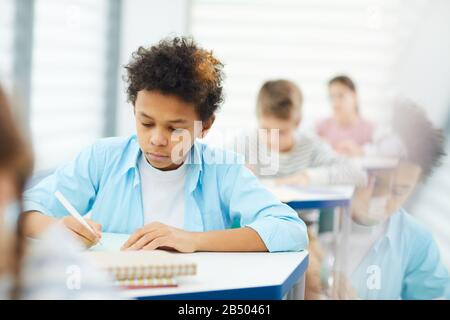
(307, 41)
(68, 78)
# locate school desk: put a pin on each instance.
(242, 276)
(336, 197)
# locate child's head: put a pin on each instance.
(172, 85)
(343, 97)
(15, 156)
(389, 189)
(15, 166)
(278, 106)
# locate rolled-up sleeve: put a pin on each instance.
(254, 206)
(77, 180)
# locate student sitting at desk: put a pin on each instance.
(28, 271)
(295, 157)
(391, 255)
(162, 186)
(346, 130)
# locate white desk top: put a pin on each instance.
(293, 193)
(228, 271)
(376, 162)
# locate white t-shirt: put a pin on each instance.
(162, 194)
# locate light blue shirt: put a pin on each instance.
(403, 264)
(104, 180)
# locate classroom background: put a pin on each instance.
(62, 60)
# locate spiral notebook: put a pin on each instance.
(147, 283)
(142, 265)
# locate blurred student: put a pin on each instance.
(162, 186)
(393, 256)
(302, 158)
(28, 271)
(346, 130)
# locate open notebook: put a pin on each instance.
(138, 269)
(110, 242)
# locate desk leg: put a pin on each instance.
(344, 241)
(298, 290)
(342, 232)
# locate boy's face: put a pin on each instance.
(385, 194)
(166, 128)
(287, 129)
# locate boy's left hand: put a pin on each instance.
(158, 235)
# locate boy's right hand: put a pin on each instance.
(81, 232)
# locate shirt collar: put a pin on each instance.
(194, 162)
(392, 231)
(131, 156)
(195, 166)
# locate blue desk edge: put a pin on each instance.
(255, 293)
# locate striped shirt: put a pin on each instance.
(309, 154)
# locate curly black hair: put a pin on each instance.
(178, 67)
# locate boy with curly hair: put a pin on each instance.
(163, 187)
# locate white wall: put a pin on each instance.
(424, 76)
(308, 42)
(424, 72)
(145, 22)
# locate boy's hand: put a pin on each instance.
(81, 232)
(299, 179)
(158, 235)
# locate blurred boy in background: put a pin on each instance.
(391, 255)
(301, 159)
